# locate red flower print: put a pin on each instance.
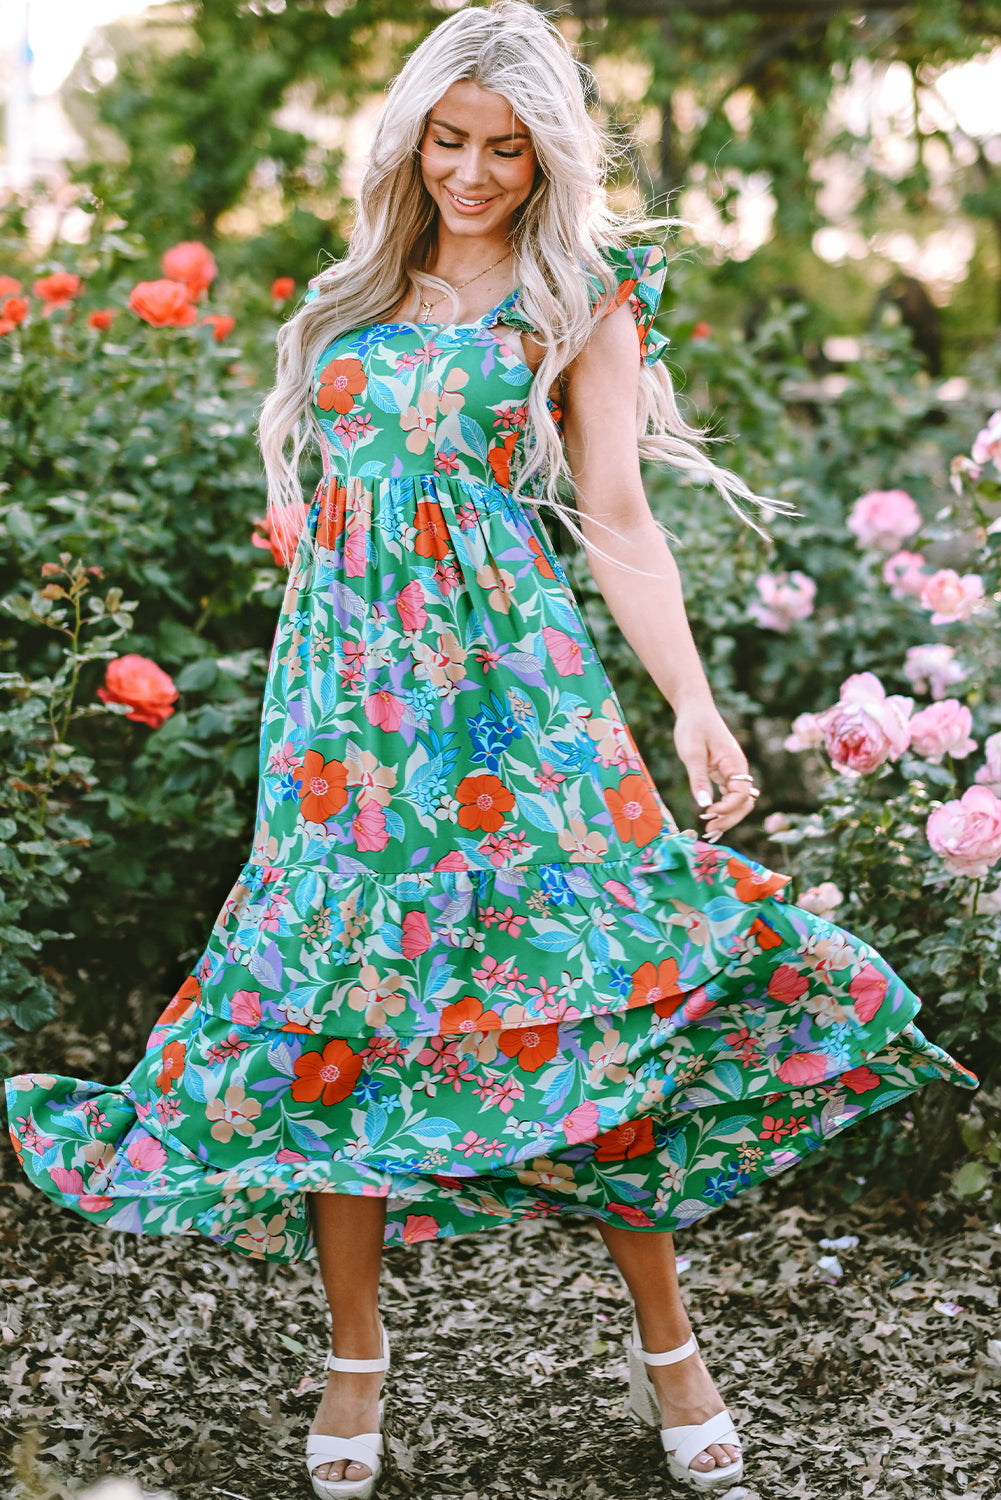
(333, 510)
(432, 538)
(190, 991)
(499, 458)
(632, 1215)
(750, 886)
(531, 1045)
(416, 934)
(340, 382)
(657, 985)
(172, 1060)
(324, 788)
(860, 1080)
(564, 652)
(631, 1138)
(419, 1227)
(485, 802)
(329, 1076)
(803, 1068)
(867, 989)
(542, 563)
(772, 1129)
(468, 1015)
(635, 810)
(410, 604)
(698, 1004)
(765, 936)
(787, 984)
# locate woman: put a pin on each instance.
(472, 971)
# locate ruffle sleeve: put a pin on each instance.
(639, 273)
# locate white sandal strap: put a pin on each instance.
(671, 1357)
(361, 1366)
(685, 1442)
(366, 1448)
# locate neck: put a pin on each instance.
(456, 256)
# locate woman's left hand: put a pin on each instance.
(710, 753)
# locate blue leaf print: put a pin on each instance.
(554, 941)
(382, 396)
(474, 437)
(433, 1128)
(266, 967)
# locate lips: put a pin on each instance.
(472, 205)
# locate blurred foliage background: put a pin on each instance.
(833, 305)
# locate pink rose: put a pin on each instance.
(987, 443)
(245, 1007)
(145, 1153)
(967, 833)
(821, 899)
(410, 603)
(384, 710)
(369, 828)
(803, 1068)
(951, 597)
(145, 687)
(787, 984)
(581, 1124)
(416, 934)
(882, 519)
(807, 732)
(942, 729)
(419, 1227)
(865, 727)
(933, 667)
(905, 574)
(564, 652)
(783, 598)
(989, 774)
(163, 304)
(867, 990)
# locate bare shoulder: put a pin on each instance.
(609, 361)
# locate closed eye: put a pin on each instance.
(457, 145)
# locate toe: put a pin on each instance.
(357, 1471)
(703, 1461)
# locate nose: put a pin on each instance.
(471, 170)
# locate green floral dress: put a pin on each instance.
(471, 965)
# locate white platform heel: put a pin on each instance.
(366, 1448)
(681, 1444)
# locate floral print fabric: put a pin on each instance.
(471, 965)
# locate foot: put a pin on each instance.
(348, 1406)
(687, 1396)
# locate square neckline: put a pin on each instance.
(485, 320)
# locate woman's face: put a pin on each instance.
(477, 161)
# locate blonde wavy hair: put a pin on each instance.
(510, 49)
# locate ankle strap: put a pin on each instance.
(361, 1366)
(670, 1357)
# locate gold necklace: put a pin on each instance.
(426, 306)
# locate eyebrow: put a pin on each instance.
(512, 135)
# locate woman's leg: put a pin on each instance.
(349, 1232)
(685, 1390)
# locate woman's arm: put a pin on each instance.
(638, 576)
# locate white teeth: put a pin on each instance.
(470, 202)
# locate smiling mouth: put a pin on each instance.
(469, 202)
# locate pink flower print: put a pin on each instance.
(453, 860)
(69, 1180)
(744, 1047)
(384, 710)
(368, 828)
(284, 759)
(620, 893)
(787, 984)
(285, 1155)
(471, 1144)
(581, 1124)
(493, 1148)
(950, 597)
(860, 1080)
(803, 1068)
(544, 994)
(466, 516)
(782, 598)
(942, 729)
(456, 1071)
(245, 1007)
(447, 577)
(506, 1093)
(417, 937)
(487, 659)
(417, 1227)
(505, 920)
(410, 604)
(564, 653)
(905, 574)
(145, 1153)
(697, 1004)
(493, 973)
(548, 778)
(883, 518)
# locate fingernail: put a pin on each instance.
(703, 798)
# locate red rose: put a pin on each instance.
(101, 318)
(222, 326)
(58, 289)
(145, 687)
(282, 288)
(164, 304)
(192, 263)
(13, 310)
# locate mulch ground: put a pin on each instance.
(195, 1372)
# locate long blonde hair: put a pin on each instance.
(510, 49)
